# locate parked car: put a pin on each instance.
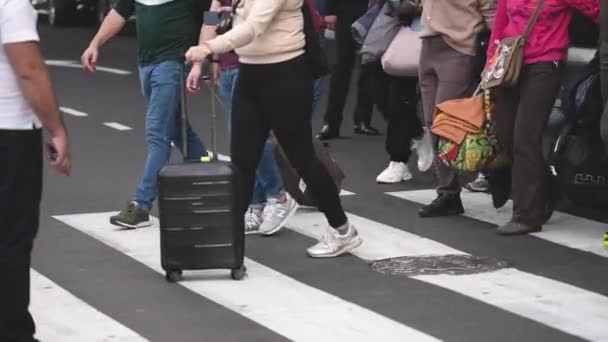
(74, 12)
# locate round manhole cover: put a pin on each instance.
(456, 264)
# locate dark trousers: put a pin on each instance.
(20, 192)
(346, 50)
(403, 123)
(521, 116)
(445, 74)
(263, 102)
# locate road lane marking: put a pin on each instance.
(73, 112)
(288, 307)
(117, 126)
(78, 65)
(225, 158)
(563, 229)
(62, 317)
(561, 306)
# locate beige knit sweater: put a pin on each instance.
(264, 32)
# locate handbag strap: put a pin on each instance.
(532, 21)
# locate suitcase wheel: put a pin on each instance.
(173, 276)
(239, 273)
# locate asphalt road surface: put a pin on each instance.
(93, 282)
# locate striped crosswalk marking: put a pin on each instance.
(288, 307)
(561, 306)
(62, 317)
(567, 230)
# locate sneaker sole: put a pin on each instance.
(282, 224)
(130, 226)
(385, 182)
(346, 249)
(253, 232)
(472, 189)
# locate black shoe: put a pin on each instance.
(516, 228)
(328, 133)
(499, 182)
(364, 129)
(443, 205)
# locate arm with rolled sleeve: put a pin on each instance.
(260, 16)
(126, 8)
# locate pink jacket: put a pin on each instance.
(549, 39)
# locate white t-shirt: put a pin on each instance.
(17, 24)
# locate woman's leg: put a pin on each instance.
(539, 86)
(294, 132)
(249, 130)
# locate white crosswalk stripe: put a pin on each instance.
(276, 301)
(301, 312)
(553, 303)
(62, 317)
(567, 230)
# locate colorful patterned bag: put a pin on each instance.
(478, 151)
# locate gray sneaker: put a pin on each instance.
(479, 185)
(333, 244)
(253, 221)
(276, 214)
(132, 217)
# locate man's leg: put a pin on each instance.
(20, 193)
(371, 78)
(161, 84)
(454, 76)
(340, 79)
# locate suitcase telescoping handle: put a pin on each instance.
(184, 115)
(183, 112)
(213, 118)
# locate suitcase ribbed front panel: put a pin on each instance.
(196, 219)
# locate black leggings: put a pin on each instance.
(278, 97)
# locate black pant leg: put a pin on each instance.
(20, 193)
(249, 131)
(293, 131)
(403, 122)
(346, 49)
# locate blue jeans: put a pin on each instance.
(316, 93)
(161, 88)
(268, 181)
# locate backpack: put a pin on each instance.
(581, 99)
(580, 164)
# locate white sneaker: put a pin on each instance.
(333, 244)
(253, 221)
(424, 148)
(276, 214)
(395, 172)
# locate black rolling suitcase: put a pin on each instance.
(198, 229)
